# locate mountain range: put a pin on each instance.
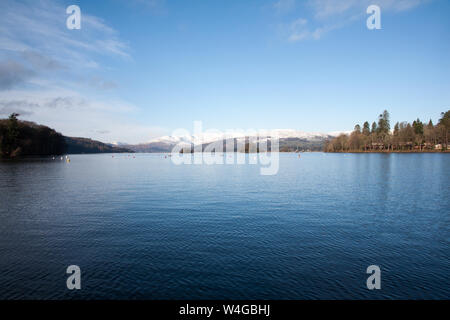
(289, 140)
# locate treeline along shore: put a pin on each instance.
(24, 138)
(405, 136)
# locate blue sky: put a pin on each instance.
(139, 69)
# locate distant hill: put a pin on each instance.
(286, 144)
(303, 144)
(24, 138)
(85, 145)
(152, 147)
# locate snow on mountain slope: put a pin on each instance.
(208, 137)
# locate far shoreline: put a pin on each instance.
(390, 151)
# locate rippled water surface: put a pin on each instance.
(144, 228)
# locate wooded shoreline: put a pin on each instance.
(404, 138)
(392, 151)
(19, 139)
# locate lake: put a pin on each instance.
(144, 228)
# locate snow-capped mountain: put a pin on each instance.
(208, 137)
(288, 138)
(118, 144)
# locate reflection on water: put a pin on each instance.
(145, 228)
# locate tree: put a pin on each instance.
(396, 129)
(374, 127)
(366, 128)
(418, 131)
(409, 135)
(444, 123)
(405, 136)
(395, 139)
(383, 123)
(342, 142)
(430, 133)
(9, 143)
(13, 125)
(356, 141)
(387, 121)
(384, 127)
(418, 127)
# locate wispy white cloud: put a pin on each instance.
(41, 25)
(284, 6)
(328, 15)
(55, 76)
(301, 29)
(329, 8)
(39, 61)
(100, 83)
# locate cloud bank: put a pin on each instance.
(55, 76)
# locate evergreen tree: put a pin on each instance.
(418, 127)
(374, 128)
(11, 134)
(366, 128)
(405, 136)
(383, 123)
(396, 129)
(444, 123)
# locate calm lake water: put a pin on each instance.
(144, 228)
